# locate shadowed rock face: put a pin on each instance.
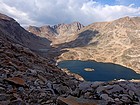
(60, 33)
(10, 29)
(116, 42)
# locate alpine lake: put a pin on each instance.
(98, 71)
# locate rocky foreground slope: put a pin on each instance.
(116, 42)
(28, 79)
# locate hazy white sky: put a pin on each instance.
(41, 12)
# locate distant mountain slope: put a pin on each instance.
(117, 41)
(10, 29)
(60, 33)
(44, 31)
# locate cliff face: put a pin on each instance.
(67, 29)
(60, 33)
(116, 41)
(44, 31)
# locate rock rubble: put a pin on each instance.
(28, 79)
(113, 93)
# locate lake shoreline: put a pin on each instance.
(137, 71)
(101, 71)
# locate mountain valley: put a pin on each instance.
(29, 74)
(116, 42)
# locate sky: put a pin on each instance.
(44, 12)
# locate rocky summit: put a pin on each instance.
(60, 33)
(27, 78)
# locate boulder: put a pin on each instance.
(106, 98)
(100, 89)
(77, 101)
(84, 85)
(16, 81)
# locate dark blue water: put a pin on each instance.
(103, 71)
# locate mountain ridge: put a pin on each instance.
(57, 33)
(20, 35)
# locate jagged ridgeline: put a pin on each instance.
(60, 33)
(27, 78)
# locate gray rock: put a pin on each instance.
(117, 99)
(88, 95)
(49, 85)
(125, 99)
(42, 94)
(131, 86)
(38, 87)
(106, 98)
(33, 72)
(36, 82)
(5, 102)
(42, 78)
(95, 84)
(131, 93)
(115, 88)
(3, 97)
(49, 102)
(9, 87)
(76, 92)
(61, 89)
(51, 90)
(21, 89)
(84, 85)
(100, 89)
(17, 102)
(2, 90)
(108, 87)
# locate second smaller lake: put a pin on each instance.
(99, 71)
